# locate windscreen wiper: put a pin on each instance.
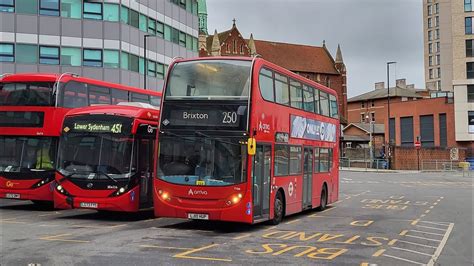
(106, 175)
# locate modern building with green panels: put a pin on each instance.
(100, 39)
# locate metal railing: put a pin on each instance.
(445, 165)
(376, 164)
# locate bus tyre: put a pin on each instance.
(324, 199)
(277, 209)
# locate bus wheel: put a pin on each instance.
(324, 199)
(277, 209)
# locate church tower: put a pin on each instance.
(202, 15)
(341, 67)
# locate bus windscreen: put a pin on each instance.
(209, 80)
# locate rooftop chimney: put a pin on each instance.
(379, 85)
(402, 83)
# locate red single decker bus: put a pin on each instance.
(105, 158)
(244, 140)
(32, 108)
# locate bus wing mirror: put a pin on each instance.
(251, 146)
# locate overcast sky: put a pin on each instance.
(371, 32)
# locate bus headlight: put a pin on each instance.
(41, 183)
(62, 190)
(164, 195)
(234, 199)
(120, 191)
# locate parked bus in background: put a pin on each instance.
(105, 158)
(244, 140)
(32, 108)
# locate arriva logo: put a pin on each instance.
(192, 192)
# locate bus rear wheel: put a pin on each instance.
(277, 209)
(324, 199)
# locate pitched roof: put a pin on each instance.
(296, 57)
(382, 93)
(222, 37)
(376, 129)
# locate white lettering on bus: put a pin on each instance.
(199, 116)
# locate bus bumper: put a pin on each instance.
(127, 202)
(43, 193)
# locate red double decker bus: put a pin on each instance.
(244, 140)
(105, 158)
(32, 108)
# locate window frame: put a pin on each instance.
(85, 62)
(8, 8)
(470, 93)
(468, 25)
(40, 57)
(5, 55)
(54, 12)
(92, 15)
(470, 72)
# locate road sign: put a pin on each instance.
(417, 145)
(454, 154)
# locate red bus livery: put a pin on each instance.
(32, 109)
(105, 158)
(244, 140)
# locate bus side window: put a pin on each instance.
(316, 160)
(266, 84)
(308, 99)
(317, 107)
(324, 160)
(119, 96)
(74, 95)
(282, 90)
(99, 95)
(296, 94)
(140, 98)
(333, 106)
(323, 97)
(281, 162)
(155, 101)
(295, 160)
(330, 159)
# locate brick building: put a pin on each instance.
(312, 62)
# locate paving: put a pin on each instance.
(380, 219)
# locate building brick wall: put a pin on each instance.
(406, 158)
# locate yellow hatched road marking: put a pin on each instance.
(294, 221)
(58, 238)
(185, 255)
(242, 236)
(392, 242)
(162, 247)
(378, 253)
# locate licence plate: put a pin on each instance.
(198, 216)
(12, 196)
(88, 205)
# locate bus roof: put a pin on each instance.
(267, 63)
(117, 110)
(52, 77)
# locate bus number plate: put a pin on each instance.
(198, 216)
(12, 196)
(89, 205)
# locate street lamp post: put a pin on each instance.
(371, 144)
(146, 60)
(388, 113)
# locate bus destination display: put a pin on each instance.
(218, 116)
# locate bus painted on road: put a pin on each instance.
(32, 109)
(105, 158)
(244, 140)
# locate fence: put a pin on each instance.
(445, 165)
(377, 164)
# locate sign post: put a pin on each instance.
(418, 147)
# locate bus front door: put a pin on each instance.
(145, 169)
(261, 182)
(307, 178)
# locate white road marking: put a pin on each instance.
(441, 246)
(416, 244)
(437, 223)
(429, 233)
(397, 258)
(419, 237)
(413, 251)
(433, 228)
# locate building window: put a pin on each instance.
(438, 47)
(438, 59)
(443, 140)
(470, 117)
(7, 53)
(470, 70)
(467, 5)
(439, 72)
(111, 12)
(372, 116)
(7, 5)
(26, 53)
(431, 73)
(174, 35)
(469, 51)
(235, 46)
(92, 57)
(429, 10)
(362, 104)
(436, 8)
(124, 16)
(26, 7)
(49, 7)
(439, 84)
(182, 39)
(362, 117)
(142, 23)
(70, 56)
(160, 30)
(427, 130)
(430, 60)
(436, 21)
(134, 63)
(160, 70)
(49, 55)
(430, 48)
(430, 35)
(134, 19)
(92, 10)
(124, 60)
(430, 22)
(373, 103)
(391, 130)
(468, 25)
(437, 34)
(151, 26)
(406, 131)
(470, 93)
(71, 9)
(189, 42)
(151, 68)
(111, 59)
